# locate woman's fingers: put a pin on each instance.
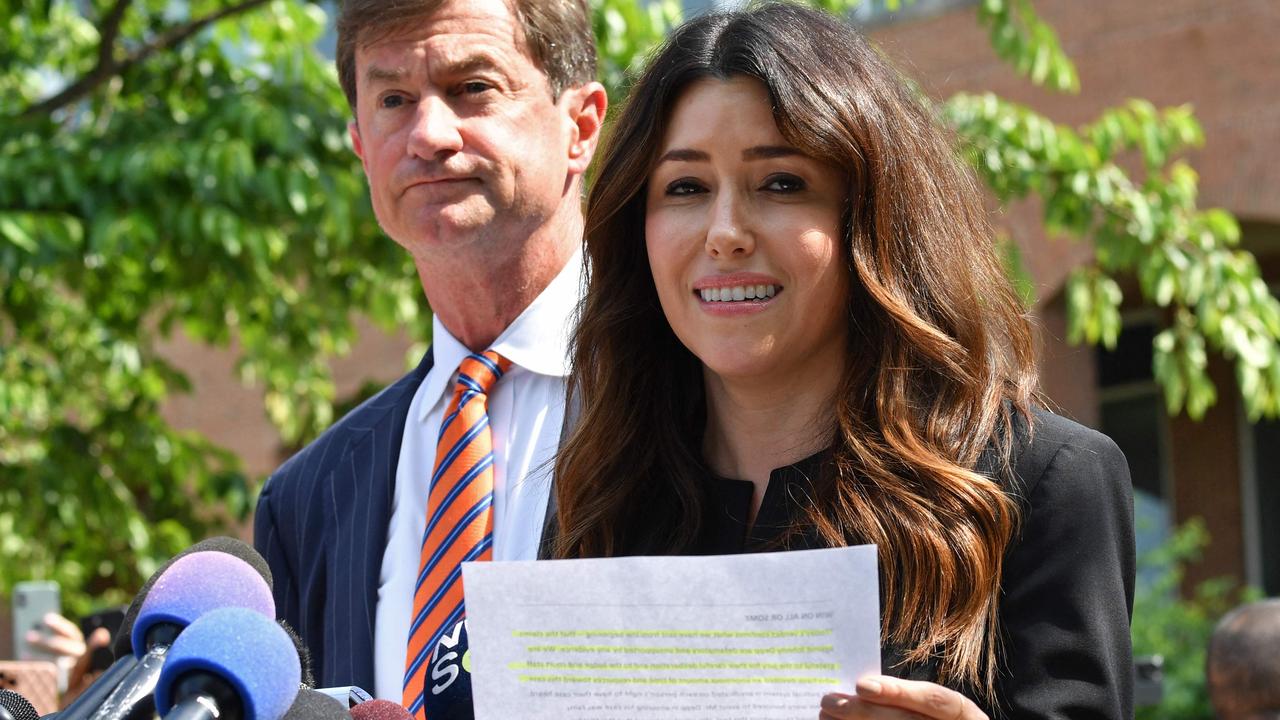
(837, 706)
(926, 699)
(887, 698)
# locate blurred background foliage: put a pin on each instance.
(1176, 626)
(165, 166)
(184, 165)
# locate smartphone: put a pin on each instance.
(111, 619)
(33, 600)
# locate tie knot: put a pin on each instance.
(479, 372)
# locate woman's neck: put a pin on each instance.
(754, 427)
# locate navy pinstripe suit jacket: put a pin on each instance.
(321, 523)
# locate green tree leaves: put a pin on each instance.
(1177, 628)
(1185, 259)
(626, 32)
(207, 188)
(1021, 38)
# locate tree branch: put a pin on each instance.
(110, 31)
(108, 67)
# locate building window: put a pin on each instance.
(1261, 463)
(1266, 477)
(1132, 413)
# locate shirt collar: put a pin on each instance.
(536, 341)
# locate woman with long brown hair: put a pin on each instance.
(797, 334)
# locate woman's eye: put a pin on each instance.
(783, 183)
(684, 187)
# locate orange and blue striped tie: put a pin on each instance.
(459, 517)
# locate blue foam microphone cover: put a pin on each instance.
(196, 584)
(246, 649)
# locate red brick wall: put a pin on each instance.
(1222, 57)
(233, 416)
(1206, 478)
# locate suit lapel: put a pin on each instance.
(360, 510)
(546, 546)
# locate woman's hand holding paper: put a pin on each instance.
(888, 698)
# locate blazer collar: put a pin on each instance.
(371, 466)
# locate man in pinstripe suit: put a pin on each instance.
(475, 121)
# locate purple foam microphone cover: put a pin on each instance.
(244, 648)
(199, 583)
(123, 641)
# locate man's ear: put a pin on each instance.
(356, 143)
(586, 106)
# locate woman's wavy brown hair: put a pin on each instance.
(940, 357)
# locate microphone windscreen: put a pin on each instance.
(18, 707)
(313, 705)
(196, 584)
(122, 643)
(380, 710)
(304, 654)
(248, 650)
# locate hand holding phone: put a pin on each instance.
(32, 602)
(80, 653)
(58, 637)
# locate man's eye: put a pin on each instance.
(392, 101)
(475, 87)
(783, 183)
(684, 187)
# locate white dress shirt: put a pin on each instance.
(526, 414)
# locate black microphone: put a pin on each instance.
(315, 705)
(192, 586)
(16, 707)
(304, 655)
(230, 664)
(349, 695)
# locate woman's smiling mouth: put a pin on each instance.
(738, 293)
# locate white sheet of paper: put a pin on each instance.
(739, 637)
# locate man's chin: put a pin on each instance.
(447, 227)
